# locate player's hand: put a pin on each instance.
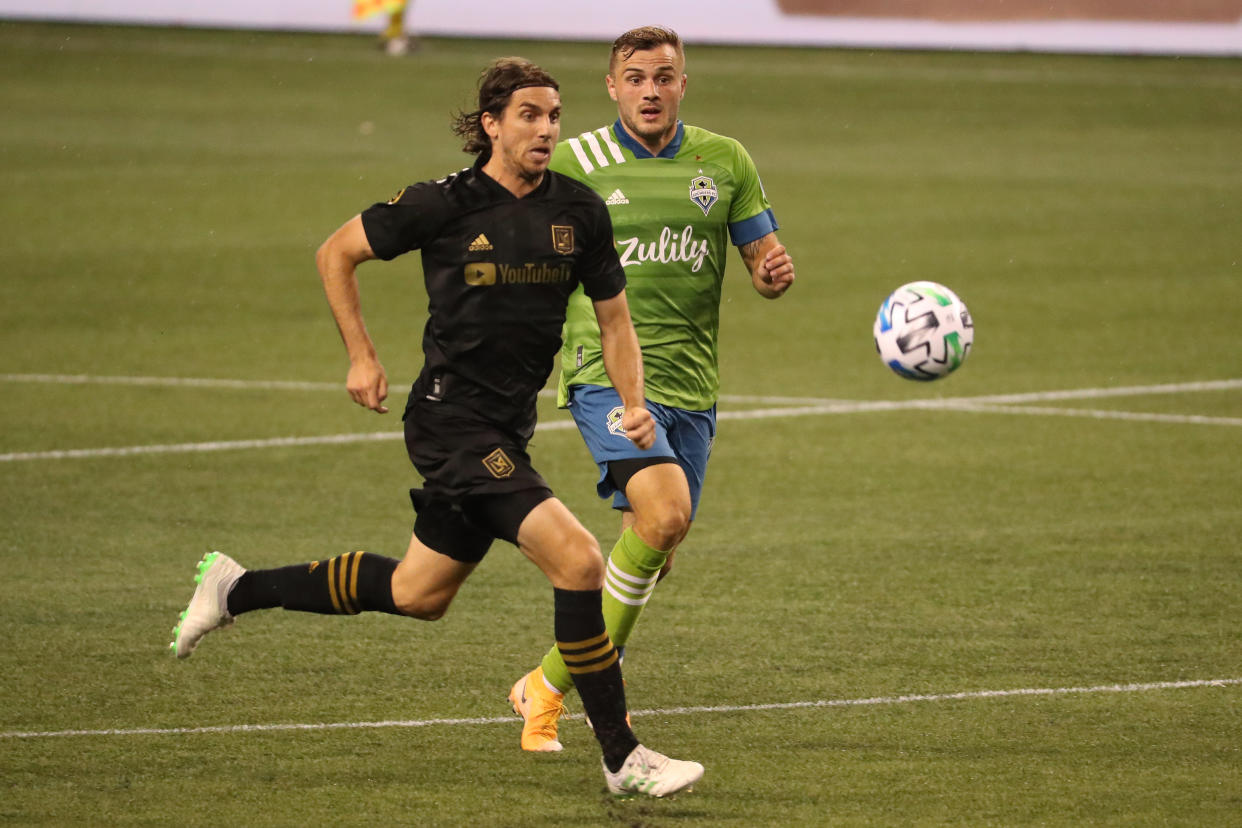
(775, 272)
(639, 426)
(367, 385)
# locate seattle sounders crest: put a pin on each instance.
(703, 192)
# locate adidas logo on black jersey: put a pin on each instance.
(617, 197)
(480, 243)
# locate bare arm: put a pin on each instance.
(338, 259)
(771, 268)
(623, 360)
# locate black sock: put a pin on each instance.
(344, 585)
(596, 669)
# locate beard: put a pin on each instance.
(649, 131)
(524, 168)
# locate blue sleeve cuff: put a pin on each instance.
(755, 227)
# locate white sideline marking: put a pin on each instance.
(937, 697)
(672, 711)
(298, 385)
(186, 382)
(970, 406)
(751, 399)
(228, 445)
(1033, 396)
(794, 407)
(179, 448)
(1100, 393)
(1098, 414)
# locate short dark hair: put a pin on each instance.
(497, 83)
(644, 38)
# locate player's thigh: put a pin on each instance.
(556, 542)
(691, 435)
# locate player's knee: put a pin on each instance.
(663, 525)
(423, 608)
(583, 567)
(416, 602)
(584, 575)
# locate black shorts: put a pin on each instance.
(479, 482)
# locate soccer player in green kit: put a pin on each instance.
(677, 195)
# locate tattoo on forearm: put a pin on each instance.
(750, 253)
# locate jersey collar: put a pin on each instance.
(627, 141)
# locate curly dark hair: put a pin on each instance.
(644, 38)
(497, 83)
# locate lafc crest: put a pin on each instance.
(563, 239)
(703, 192)
(499, 464)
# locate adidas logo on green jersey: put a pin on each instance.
(617, 197)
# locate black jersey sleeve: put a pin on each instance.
(411, 219)
(599, 268)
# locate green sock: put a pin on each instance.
(633, 568)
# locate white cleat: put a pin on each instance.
(208, 609)
(397, 46)
(653, 774)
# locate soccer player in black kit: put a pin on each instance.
(503, 243)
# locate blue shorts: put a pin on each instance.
(685, 436)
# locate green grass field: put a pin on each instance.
(913, 567)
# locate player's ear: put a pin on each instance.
(490, 124)
(612, 86)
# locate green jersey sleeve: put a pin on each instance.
(750, 214)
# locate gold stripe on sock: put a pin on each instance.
(353, 581)
(587, 655)
(336, 601)
(593, 668)
(342, 574)
(578, 646)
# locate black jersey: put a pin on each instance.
(499, 271)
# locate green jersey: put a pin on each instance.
(673, 217)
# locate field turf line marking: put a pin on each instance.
(1101, 393)
(671, 711)
(963, 696)
(174, 382)
(299, 385)
(181, 448)
(995, 404)
(1097, 414)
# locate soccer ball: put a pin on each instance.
(923, 331)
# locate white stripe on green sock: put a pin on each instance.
(633, 569)
(626, 588)
(631, 575)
